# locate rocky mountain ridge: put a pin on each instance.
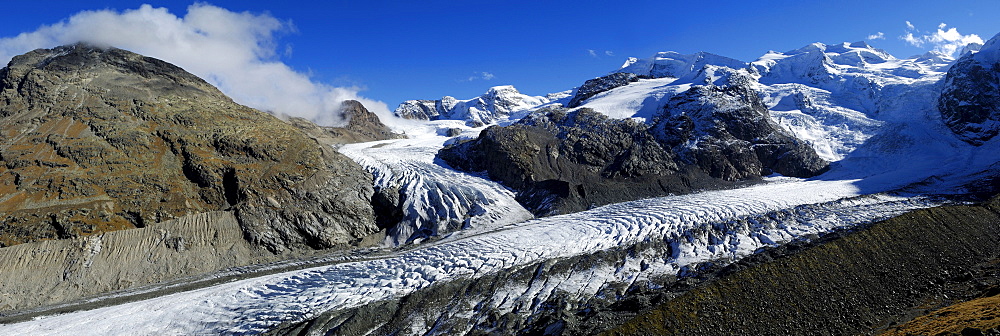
(102, 139)
(970, 100)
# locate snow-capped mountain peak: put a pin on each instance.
(833, 96)
(970, 48)
(989, 50)
(497, 103)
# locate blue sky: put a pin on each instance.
(397, 50)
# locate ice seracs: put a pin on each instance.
(432, 200)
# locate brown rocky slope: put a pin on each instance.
(94, 140)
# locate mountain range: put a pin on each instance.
(678, 194)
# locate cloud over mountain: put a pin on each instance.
(944, 40)
(236, 51)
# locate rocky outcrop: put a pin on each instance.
(592, 87)
(101, 139)
(422, 109)
(362, 126)
(708, 137)
(970, 100)
(498, 102)
(858, 284)
(727, 132)
(564, 162)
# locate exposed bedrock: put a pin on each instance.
(101, 139)
(970, 97)
(119, 170)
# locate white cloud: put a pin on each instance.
(609, 53)
(909, 38)
(235, 51)
(480, 75)
(592, 53)
(944, 40)
(876, 36)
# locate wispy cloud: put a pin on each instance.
(876, 36)
(235, 51)
(944, 40)
(596, 54)
(480, 75)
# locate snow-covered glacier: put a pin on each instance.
(705, 226)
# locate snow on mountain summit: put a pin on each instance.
(676, 65)
(833, 96)
(498, 102)
(819, 63)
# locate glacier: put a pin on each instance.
(435, 200)
(259, 304)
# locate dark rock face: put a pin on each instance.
(420, 109)
(563, 162)
(592, 87)
(727, 132)
(708, 137)
(96, 140)
(362, 125)
(970, 100)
